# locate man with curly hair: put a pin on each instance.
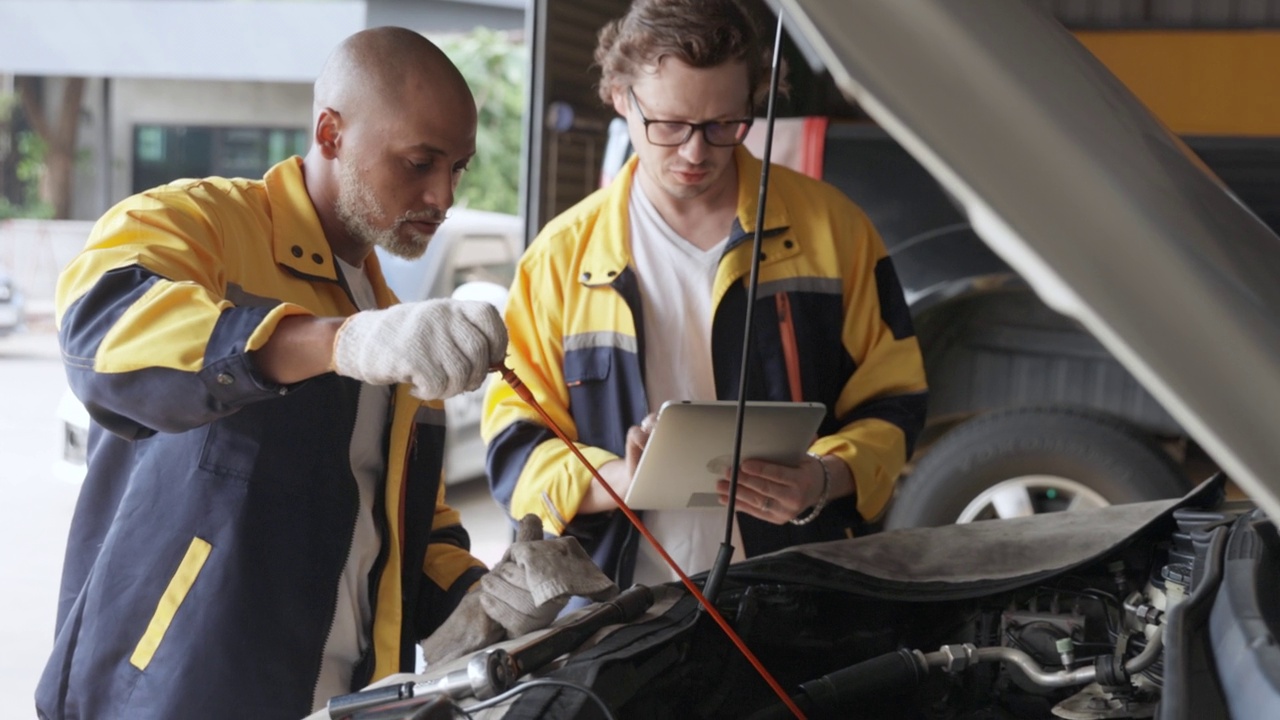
(637, 295)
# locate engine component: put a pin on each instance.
(1095, 702)
(491, 672)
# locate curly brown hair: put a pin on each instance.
(699, 33)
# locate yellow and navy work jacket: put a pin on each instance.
(202, 567)
(830, 325)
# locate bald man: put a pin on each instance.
(262, 525)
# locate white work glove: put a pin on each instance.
(524, 592)
(440, 347)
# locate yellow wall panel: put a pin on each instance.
(1199, 82)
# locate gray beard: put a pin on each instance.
(358, 210)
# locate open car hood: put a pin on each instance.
(1087, 195)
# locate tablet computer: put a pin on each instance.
(692, 444)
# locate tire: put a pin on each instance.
(1031, 460)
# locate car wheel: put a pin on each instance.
(1019, 462)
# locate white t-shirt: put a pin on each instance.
(353, 615)
(676, 279)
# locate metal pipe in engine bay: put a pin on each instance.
(900, 671)
(955, 658)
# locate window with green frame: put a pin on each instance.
(164, 153)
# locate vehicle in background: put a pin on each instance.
(472, 256)
(1028, 413)
(12, 304)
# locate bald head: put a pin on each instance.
(371, 70)
(394, 130)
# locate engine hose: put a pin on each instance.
(832, 695)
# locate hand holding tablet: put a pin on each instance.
(691, 446)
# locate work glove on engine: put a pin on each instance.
(440, 347)
(524, 591)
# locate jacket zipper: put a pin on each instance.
(790, 349)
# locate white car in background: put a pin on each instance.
(473, 256)
(11, 304)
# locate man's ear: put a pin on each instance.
(620, 101)
(328, 132)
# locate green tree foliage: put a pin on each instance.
(25, 151)
(494, 66)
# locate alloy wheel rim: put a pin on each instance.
(1031, 495)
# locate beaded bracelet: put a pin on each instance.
(822, 499)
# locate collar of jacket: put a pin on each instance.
(298, 240)
(775, 212)
(608, 253)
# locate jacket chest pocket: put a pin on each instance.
(606, 394)
(232, 445)
(587, 366)
(299, 443)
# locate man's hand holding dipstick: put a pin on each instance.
(440, 347)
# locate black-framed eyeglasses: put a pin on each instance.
(673, 133)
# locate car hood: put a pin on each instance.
(1086, 194)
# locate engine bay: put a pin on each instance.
(1109, 639)
(1161, 610)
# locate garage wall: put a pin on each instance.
(562, 41)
